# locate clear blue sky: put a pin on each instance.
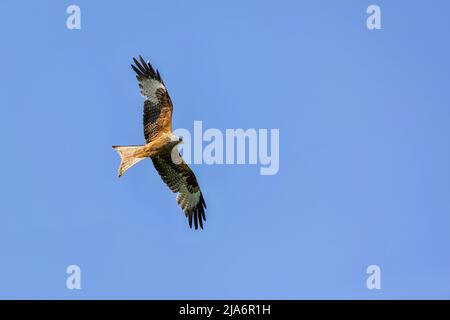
(364, 119)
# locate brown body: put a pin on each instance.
(131, 155)
(163, 143)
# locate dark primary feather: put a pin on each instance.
(145, 69)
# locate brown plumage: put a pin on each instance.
(161, 145)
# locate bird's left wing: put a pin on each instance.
(157, 105)
(181, 179)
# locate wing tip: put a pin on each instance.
(145, 69)
(197, 214)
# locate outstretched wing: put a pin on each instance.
(157, 105)
(181, 179)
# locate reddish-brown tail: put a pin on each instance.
(127, 156)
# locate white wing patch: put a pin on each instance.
(187, 200)
(149, 87)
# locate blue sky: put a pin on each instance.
(364, 150)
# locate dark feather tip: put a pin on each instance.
(190, 220)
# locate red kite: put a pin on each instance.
(161, 145)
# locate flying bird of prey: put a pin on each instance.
(161, 145)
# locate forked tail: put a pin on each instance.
(127, 155)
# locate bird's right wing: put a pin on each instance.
(157, 105)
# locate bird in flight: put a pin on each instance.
(161, 145)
